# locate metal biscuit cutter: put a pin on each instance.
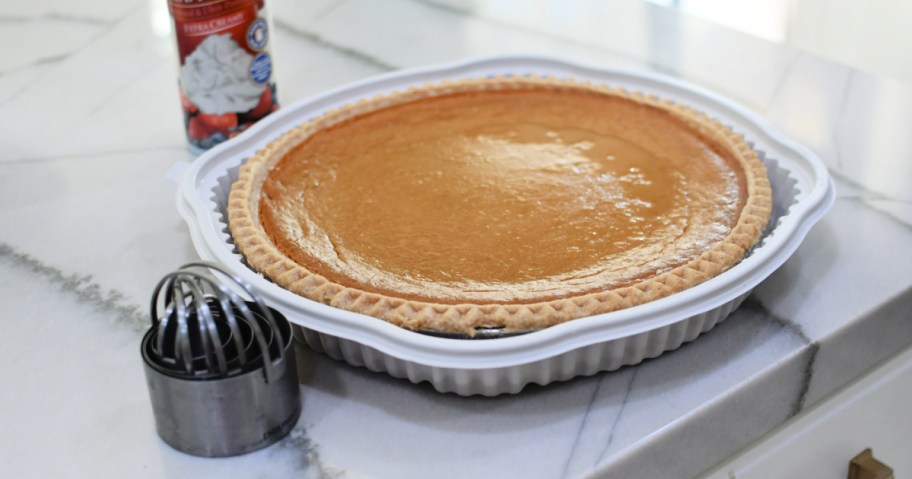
(220, 369)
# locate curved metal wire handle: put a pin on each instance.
(177, 284)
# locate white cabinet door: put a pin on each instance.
(875, 412)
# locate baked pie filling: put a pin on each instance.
(514, 203)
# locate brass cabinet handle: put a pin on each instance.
(864, 466)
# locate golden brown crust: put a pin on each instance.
(264, 257)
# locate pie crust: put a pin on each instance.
(510, 310)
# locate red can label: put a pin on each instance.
(226, 76)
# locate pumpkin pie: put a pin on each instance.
(514, 203)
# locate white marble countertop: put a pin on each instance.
(90, 120)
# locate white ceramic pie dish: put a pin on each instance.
(802, 193)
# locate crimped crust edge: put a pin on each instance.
(264, 257)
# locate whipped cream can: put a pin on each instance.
(226, 77)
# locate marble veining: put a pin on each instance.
(783, 80)
(642, 35)
(84, 287)
(661, 65)
(317, 40)
(840, 112)
(104, 101)
(617, 420)
(99, 154)
(460, 10)
(576, 440)
(896, 209)
(61, 48)
(297, 444)
(795, 328)
(55, 16)
(36, 63)
(90, 121)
